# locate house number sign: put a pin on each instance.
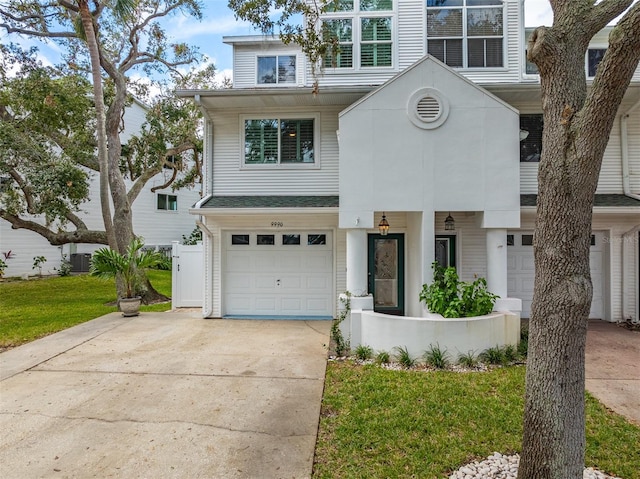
(277, 224)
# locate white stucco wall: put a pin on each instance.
(469, 163)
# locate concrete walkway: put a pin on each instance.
(164, 395)
(613, 367)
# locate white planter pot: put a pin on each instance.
(130, 306)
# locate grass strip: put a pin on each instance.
(407, 424)
(39, 307)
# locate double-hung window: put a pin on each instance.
(284, 141)
(276, 69)
(167, 202)
(466, 33)
(361, 34)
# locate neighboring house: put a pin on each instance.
(427, 114)
(160, 217)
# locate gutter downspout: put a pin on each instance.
(207, 306)
(624, 145)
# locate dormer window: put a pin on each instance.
(466, 33)
(362, 31)
(276, 69)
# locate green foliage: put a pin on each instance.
(107, 263)
(452, 298)
(436, 357)
(341, 345)
(3, 266)
(468, 360)
(383, 357)
(38, 262)
(193, 238)
(494, 355)
(363, 352)
(404, 358)
(65, 267)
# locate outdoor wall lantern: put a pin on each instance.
(383, 226)
(449, 223)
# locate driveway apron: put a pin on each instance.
(164, 395)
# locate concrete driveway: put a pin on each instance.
(164, 395)
(613, 367)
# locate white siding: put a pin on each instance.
(411, 28)
(633, 143)
(245, 61)
(230, 179)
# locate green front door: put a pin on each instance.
(386, 273)
(445, 253)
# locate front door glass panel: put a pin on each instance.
(386, 273)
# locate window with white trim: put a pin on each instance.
(284, 141)
(466, 33)
(276, 69)
(167, 202)
(362, 32)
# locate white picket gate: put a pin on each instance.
(187, 275)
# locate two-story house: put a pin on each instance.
(421, 144)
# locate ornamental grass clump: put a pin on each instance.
(452, 298)
(436, 357)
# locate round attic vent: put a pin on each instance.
(427, 108)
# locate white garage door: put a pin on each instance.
(278, 274)
(521, 271)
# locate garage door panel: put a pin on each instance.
(278, 279)
(521, 275)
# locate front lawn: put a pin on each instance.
(410, 424)
(38, 307)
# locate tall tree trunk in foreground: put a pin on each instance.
(101, 134)
(576, 132)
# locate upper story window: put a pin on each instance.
(531, 127)
(279, 141)
(363, 33)
(167, 202)
(466, 33)
(280, 69)
(594, 57)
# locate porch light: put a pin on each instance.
(383, 226)
(449, 223)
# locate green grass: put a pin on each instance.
(38, 307)
(403, 424)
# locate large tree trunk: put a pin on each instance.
(576, 132)
(94, 54)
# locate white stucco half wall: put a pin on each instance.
(457, 336)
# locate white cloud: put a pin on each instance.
(537, 12)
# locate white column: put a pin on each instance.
(357, 261)
(497, 261)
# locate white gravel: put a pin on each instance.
(498, 466)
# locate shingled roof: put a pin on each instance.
(272, 202)
(609, 200)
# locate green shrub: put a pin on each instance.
(493, 355)
(468, 360)
(436, 357)
(510, 353)
(452, 298)
(404, 358)
(383, 357)
(363, 352)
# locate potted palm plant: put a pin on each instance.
(107, 263)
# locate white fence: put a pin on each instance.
(187, 275)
